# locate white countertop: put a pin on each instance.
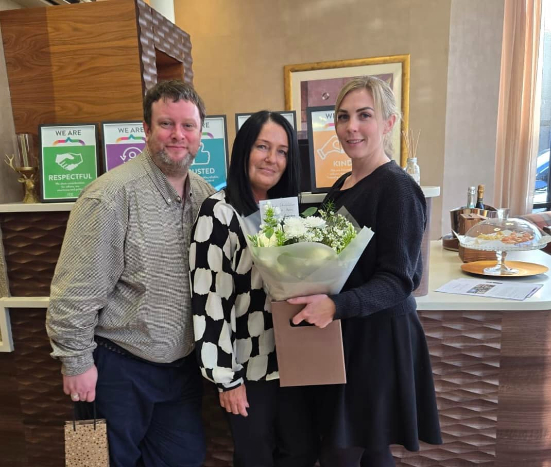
(307, 197)
(446, 265)
(24, 302)
(36, 207)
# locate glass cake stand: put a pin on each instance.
(504, 235)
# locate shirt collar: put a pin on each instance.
(162, 184)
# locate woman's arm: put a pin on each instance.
(399, 228)
(213, 247)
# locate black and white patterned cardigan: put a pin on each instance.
(232, 321)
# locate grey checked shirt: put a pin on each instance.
(123, 269)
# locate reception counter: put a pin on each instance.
(445, 266)
(491, 361)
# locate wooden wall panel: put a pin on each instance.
(167, 67)
(35, 396)
(173, 42)
(33, 408)
(524, 423)
(73, 63)
(27, 52)
(95, 62)
(13, 450)
(89, 62)
(159, 41)
(147, 44)
(492, 373)
(32, 242)
(465, 355)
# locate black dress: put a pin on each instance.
(389, 397)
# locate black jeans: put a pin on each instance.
(275, 433)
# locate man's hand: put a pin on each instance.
(81, 387)
(319, 310)
(235, 401)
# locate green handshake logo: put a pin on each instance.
(69, 161)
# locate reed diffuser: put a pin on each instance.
(412, 142)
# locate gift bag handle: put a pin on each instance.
(301, 324)
(75, 415)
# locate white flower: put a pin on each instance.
(330, 229)
(312, 222)
(265, 241)
(268, 208)
(294, 227)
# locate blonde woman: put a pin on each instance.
(389, 397)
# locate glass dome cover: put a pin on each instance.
(504, 234)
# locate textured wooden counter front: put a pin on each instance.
(492, 373)
(33, 408)
(32, 242)
(524, 422)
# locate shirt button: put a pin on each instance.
(168, 200)
(179, 199)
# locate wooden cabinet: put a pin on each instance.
(88, 62)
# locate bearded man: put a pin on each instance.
(120, 310)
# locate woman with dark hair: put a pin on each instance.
(231, 314)
(239, 187)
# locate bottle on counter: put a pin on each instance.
(471, 197)
(413, 169)
(480, 198)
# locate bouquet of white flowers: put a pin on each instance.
(307, 255)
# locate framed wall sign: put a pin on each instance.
(68, 160)
(327, 159)
(122, 141)
(211, 161)
(318, 84)
(289, 115)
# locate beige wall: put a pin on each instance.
(472, 101)
(240, 48)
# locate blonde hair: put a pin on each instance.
(383, 99)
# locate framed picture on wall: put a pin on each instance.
(211, 161)
(318, 84)
(68, 160)
(327, 159)
(289, 115)
(122, 141)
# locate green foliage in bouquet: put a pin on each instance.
(328, 228)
